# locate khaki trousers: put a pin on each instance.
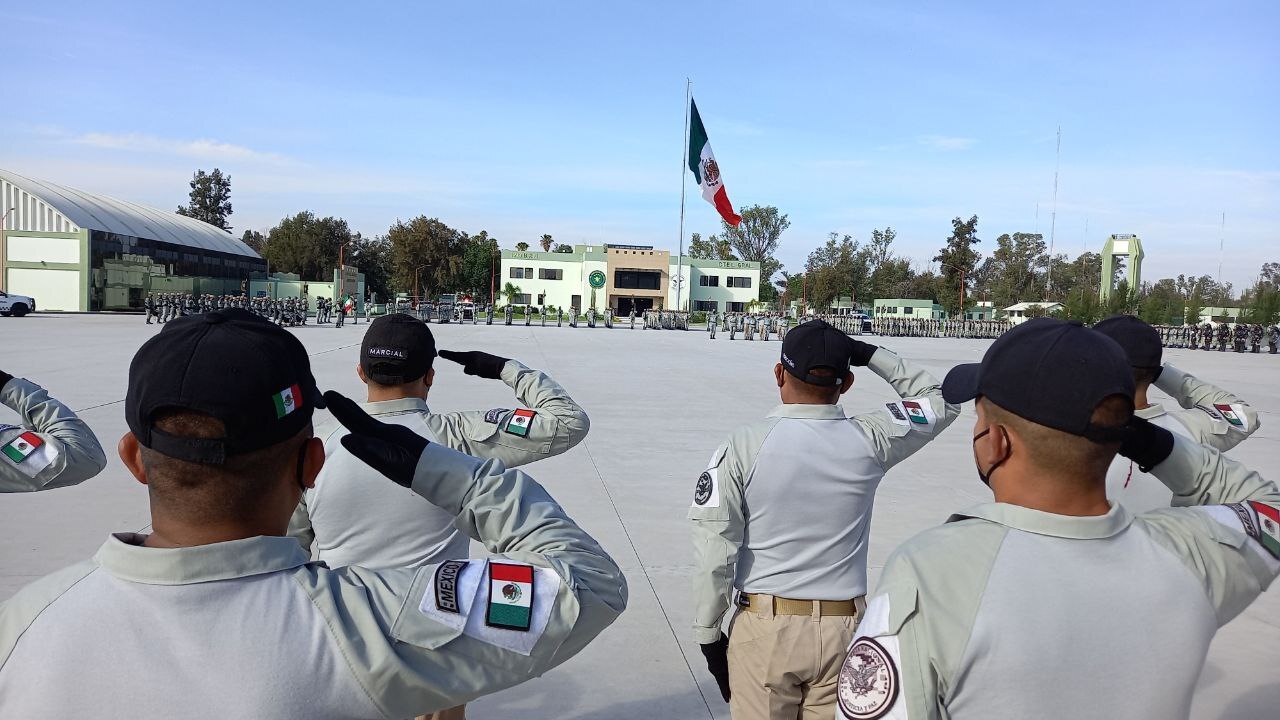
(454, 713)
(786, 667)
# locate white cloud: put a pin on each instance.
(203, 148)
(945, 142)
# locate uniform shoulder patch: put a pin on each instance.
(869, 681)
(29, 453)
(1210, 412)
(446, 582)
(1234, 415)
(706, 491)
(520, 422)
(1268, 527)
(510, 596)
(915, 413)
(495, 415)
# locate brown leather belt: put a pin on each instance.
(760, 603)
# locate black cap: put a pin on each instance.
(816, 344)
(232, 365)
(1050, 372)
(397, 349)
(1140, 341)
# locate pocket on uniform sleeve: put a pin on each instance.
(435, 611)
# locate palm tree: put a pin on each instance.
(510, 291)
(546, 243)
(522, 246)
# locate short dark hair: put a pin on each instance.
(200, 492)
(817, 393)
(1054, 449)
(1143, 376)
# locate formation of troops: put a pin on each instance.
(285, 311)
(1240, 337)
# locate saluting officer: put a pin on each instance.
(223, 441)
(782, 515)
(52, 448)
(1052, 602)
(1210, 415)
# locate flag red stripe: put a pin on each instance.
(725, 208)
(32, 439)
(1265, 509)
(511, 573)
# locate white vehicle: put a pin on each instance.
(16, 305)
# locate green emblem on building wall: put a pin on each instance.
(596, 278)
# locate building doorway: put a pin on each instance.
(626, 305)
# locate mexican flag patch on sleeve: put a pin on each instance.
(510, 596)
(1233, 414)
(519, 422)
(29, 453)
(1268, 526)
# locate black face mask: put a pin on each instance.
(986, 477)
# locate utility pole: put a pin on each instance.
(1053, 222)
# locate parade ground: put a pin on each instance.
(659, 402)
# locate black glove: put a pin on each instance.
(4, 379)
(862, 353)
(717, 655)
(474, 362)
(1147, 444)
(392, 450)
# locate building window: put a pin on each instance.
(575, 301)
(550, 274)
(637, 279)
(706, 305)
(735, 307)
(738, 282)
(542, 298)
(520, 299)
(517, 273)
(709, 281)
(907, 310)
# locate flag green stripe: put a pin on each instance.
(279, 406)
(13, 453)
(514, 615)
(697, 140)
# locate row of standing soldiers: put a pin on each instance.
(920, 327)
(286, 312)
(1242, 337)
(750, 325)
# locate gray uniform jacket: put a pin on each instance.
(354, 517)
(1210, 416)
(1014, 613)
(251, 629)
(51, 449)
(784, 506)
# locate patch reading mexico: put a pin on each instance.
(493, 416)
(868, 683)
(702, 491)
(519, 422)
(1268, 526)
(1233, 414)
(287, 400)
(895, 412)
(447, 585)
(510, 596)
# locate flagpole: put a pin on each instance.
(684, 160)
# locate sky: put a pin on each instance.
(567, 118)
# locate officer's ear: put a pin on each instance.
(847, 382)
(430, 377)
(360, 374)
(312, 461)
(130, 451)
(779, 374)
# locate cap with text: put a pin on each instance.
(817, 344)
(397, 348)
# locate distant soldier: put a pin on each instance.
(733, 328)
(1273, 341)
(1206, 336)
(528, 315)
(591, 317)
(508, 313)
(559, 316)
(1241, 336)
(1193, 337)
(1255, 338)
(150, 305)
(573, 317)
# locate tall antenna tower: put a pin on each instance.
(1053, 218)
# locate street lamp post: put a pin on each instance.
(4, 249)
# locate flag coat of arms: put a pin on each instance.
(915, 412)
(22, 447)
(1268, 526)
(703, 164)
(510, 596)
(520, 421)
(287, 400)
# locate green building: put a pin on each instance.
(908, 309)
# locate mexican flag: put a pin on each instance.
(519, 422)
(915, 412)
(1233, 414)
(287, 400)
(703, 164)
(510, 596)
(22, 446)
(1269, 526)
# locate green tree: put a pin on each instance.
(479, 259)
(1195, 303)
(755, 239)
(563, 248)
(426, 250)
(210, 198)
(1012, 273)
(546, 242)
(1123, 300)
(510, 291)
(839, 267)
(957, 258)
(522, 246)
(254, 239)
(713, 248)
(1161, 303)
(307, 245)
(373, 257)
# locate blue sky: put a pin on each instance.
(567, 118)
